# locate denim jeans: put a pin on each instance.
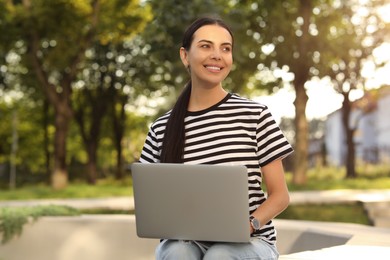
(191, 250)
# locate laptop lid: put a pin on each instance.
(191, 202)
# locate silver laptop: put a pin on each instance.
(191, 202)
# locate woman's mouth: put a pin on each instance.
(213, 68)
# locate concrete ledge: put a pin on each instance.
(327, 240)
(342, 252)
(359, 234)
(89, 237)
(101, 237)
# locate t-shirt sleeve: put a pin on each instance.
(271, 142)
(150, 151)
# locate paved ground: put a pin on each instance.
(377, 202)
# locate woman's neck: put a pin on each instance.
(202, 98)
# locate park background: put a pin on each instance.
(81, 81)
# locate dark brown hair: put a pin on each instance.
(174, 136)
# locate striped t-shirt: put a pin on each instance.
(235, 131)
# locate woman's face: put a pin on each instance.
(210, 55)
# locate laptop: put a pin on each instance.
(191, 202)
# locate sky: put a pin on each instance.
(323, 100)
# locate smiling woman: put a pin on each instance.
(208, 125)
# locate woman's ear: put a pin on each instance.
(184, 57)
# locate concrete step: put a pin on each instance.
(379, 213)
(377, 205)
(376, 209)
(383, 222)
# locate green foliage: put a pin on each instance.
(331, 178)
(122, 19)
(12, 220)
(61, 41)
(28, 114)
(52, 40)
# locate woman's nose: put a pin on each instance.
(216, 55)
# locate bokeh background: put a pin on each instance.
(81, 81)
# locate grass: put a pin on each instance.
(345, 212)
(103, 188)
(331, 178)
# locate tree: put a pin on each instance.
(55, 51)
(297, 37)
(92, 106)
(21, 109)
(101, 86)
(354, 36)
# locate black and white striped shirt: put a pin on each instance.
(235, 131)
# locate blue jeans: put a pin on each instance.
(191, 250)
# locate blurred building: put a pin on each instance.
(383, 126)
(370, 116)
(335, 139)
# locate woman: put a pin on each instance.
(208, 125)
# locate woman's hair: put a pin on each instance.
(174, 136)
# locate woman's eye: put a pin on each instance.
(205, 46)
(226, 49)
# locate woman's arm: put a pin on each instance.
(278, 197)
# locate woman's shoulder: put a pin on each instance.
(161, 120)
(246, 102)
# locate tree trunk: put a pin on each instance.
(349, 132)
(119, 122)
(90, 133)
(92, 162)
(46, 138)
(301, 74)
(90, 138)
(14, 150)
(63, 114)
(301, 136)
(350, 163)
(119, 173)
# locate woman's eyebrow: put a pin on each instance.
(210, 42)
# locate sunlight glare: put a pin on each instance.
(384, 13)
(378, 76)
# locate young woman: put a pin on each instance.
(208, 125)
